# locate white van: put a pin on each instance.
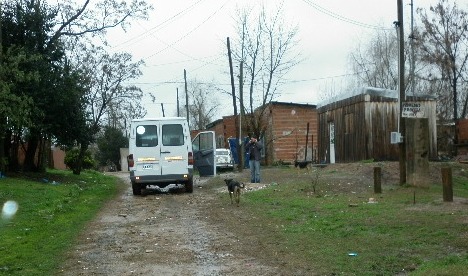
(160, 153)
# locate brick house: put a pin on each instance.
(291, 132)
(285, 139)
(54, 160)
(224, 129)
(461, 128)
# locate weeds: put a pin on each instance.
(315, 179)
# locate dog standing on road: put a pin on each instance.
(234, 188)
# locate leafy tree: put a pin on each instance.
(14, 109)
(42, 31)
(70, 107)
(72, 159)
(109, 145)
(106, 90)
(26, 23)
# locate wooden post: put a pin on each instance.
(417, 149)
(307, 141)
(377, 180)
(447, 184)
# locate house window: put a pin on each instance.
(349, 123)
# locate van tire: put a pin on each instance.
(136, 188)
(189, 186)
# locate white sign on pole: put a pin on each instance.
(413, 110)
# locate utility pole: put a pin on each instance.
(186, 96)
(1, 35)
(242, 113)
(412, 64)
(401, 87)
(178, 109)
(234, 104)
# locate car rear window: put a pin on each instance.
(222, 152)
(172, 135)
(146, 136)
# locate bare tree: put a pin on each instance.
(77, 20)
(375, 63)
(266, 48)
(203, 104)
(443, 41)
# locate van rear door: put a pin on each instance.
(174, 149)
(146, 149)
(204, 151)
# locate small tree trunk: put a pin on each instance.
(2, 155)
(29, 157)
(79, 163)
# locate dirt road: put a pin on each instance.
(163, 234)
(203, 234)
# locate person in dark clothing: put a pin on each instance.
(253, 148)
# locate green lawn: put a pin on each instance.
(315, 232)
(52, 209)
(398, 234)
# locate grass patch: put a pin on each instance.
(409, 230)
(53, 209)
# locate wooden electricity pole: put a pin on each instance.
(401, 87)
(242, 113)
(178, 108)
(186, 96)
(234, 104)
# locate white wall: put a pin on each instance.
(123, 159)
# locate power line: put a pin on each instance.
(342, 18)
(323, 78)
(157, 27)
(282, 82)
(191, 31)
(203, 59)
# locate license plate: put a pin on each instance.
(147, 167)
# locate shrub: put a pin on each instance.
(71, 159)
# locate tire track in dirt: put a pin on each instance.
(160, 234)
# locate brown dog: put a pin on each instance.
(234, 188)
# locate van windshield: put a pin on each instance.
(172, 135)
(146, 136)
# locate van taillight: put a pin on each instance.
(190, 158)
(130, 160)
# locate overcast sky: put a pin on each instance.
(191, 35)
